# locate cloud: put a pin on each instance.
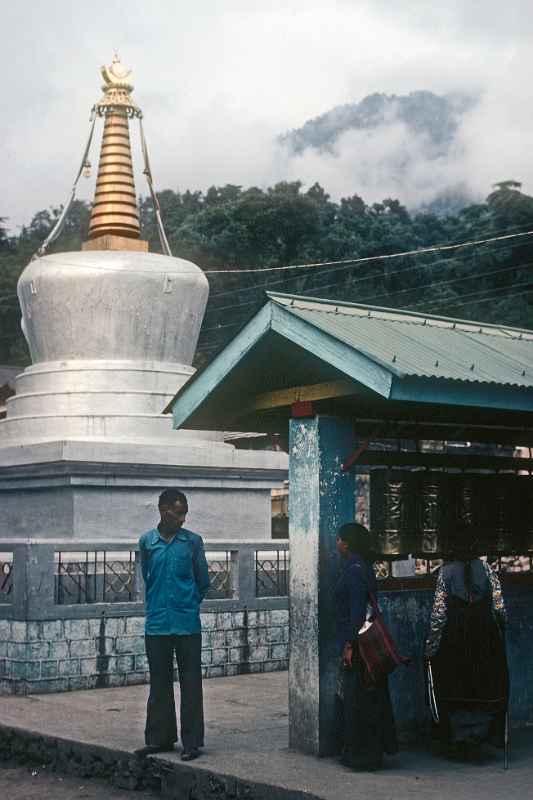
(218, 81)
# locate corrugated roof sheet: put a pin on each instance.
(420, 344)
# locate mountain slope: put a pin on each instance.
(422, 112)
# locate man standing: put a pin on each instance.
(175, 574)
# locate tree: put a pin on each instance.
(231, 227)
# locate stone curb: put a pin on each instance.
(168, 779)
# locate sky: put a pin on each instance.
(218, 80)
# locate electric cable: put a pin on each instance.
(394, 293)
(366, 259)
(335, 269)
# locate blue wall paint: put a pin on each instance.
(407, 615)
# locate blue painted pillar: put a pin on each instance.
(321, 498)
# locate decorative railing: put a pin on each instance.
(511, 564)
(95, 576)
(272, 573)
(6, 577)
(221, 566)
(59, 580)
(417, 569)
(49, 581)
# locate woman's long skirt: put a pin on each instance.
(365, 722)
(470, 674)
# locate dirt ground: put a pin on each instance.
(36, 783)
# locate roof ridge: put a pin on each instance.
(410, 317)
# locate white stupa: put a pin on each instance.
(112, 331)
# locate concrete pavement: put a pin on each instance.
(247, 747)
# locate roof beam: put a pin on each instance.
(314, 391)
(441, 460)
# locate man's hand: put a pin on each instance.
(347, 654)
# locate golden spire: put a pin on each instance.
(115, 218)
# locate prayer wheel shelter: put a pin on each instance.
(423, 416)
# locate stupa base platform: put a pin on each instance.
(94, 488)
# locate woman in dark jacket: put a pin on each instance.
(364, 714)
(465, 650)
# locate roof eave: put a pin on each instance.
(443, 391)
(193, 393)
(355, 365)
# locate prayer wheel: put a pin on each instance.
(432, 504)
(502, 497)
(393, 511)
(526, 511)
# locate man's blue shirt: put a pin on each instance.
(177, 580)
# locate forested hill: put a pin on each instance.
(409, 140)
(230, 228)
(437, 117)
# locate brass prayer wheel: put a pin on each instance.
(433, 509)
(393, 514)
(503, 500)
(413, 512)
(526, 511)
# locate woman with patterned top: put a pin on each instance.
(465, 650)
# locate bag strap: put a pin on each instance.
(374, 603)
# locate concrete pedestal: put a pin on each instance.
(321, 498)
(80, 490)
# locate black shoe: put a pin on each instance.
(190, 755)
(152, 749)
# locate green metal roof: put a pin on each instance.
(401, 365)
(421, 345)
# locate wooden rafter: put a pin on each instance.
(315, 391)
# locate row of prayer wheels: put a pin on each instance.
(415, 512)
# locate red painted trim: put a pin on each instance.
(302, 408)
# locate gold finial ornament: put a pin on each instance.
(117, 88)
(115, 218)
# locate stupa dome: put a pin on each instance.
(112, 305)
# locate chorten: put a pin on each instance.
(112, 330)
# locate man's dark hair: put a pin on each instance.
(359, 540)
(170, 496)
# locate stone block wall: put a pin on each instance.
(68, 654)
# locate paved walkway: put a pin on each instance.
(246, 720)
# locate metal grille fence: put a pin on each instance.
(220, 575)
(94, 576)
(382, 569)
(6, 577)
(512, 563)
(272, 573)
(427, 566)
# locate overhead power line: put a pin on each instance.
(374, 297)
(457, 302)
(384, 257)
(469, 302)
(354, 282)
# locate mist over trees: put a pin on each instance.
(232, 227)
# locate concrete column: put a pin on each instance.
(321, 498)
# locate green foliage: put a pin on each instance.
(231, 227)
